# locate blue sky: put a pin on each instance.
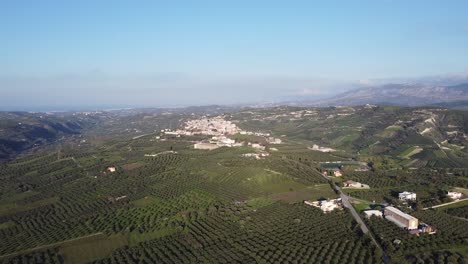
(157, 53)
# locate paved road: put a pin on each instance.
(347, 204)
(365, 230)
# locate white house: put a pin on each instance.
(353, 184)
(370, 213)
(326, 205)
(407, 196)
(111, 169)
(454, 195)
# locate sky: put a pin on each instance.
(171, 53)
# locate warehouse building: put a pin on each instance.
(400, 218)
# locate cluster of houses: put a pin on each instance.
(326, 205)
(215, 126)
(219, 129)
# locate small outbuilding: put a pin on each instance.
(370, 213)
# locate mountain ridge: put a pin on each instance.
(406, 94)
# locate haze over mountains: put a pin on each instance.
(409, 94)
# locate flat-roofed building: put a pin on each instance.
(400, 218)
(454, 195)
(207, 146)
(370, 213)
(405, 196)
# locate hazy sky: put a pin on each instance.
(159, 53)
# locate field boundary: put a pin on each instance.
(48, 246)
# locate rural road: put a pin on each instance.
(347, 204)
(364, 228)
(362, 225)
(440, 205)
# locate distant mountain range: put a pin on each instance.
(401, 94)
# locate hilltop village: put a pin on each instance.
(219, 130)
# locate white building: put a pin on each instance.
(407, 196)
(400, 218)
(353, 184)
(326, 205)
(273, 140)
(224, 141)
(111, 169)
(370, 213)
(251, 155)
(205, 146)
(337, 173)
(258, 146)
(454, 195)
(321, 149)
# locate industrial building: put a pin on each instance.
(400, 218)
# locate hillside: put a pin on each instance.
(133, 188)
(21, 131)
(372, 132)
(399, 94)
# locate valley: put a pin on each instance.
(131, 187)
